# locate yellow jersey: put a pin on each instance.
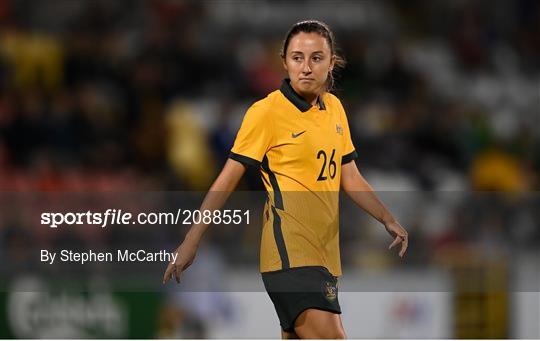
(299, 149)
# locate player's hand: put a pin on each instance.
(400, 234)
(185, 255)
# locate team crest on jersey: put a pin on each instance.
(330, 291)
(339, 129)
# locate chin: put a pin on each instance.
(308, 87)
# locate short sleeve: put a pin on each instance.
(349, 152)
(254, 137)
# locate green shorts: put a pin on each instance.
(296, 289)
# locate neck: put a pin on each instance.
(311, 98)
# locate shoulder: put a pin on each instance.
(333, 101)
(264, 106)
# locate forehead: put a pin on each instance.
(308, 42)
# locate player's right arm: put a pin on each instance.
(251, 143)
(216, 197)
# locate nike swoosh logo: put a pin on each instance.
(296, 135)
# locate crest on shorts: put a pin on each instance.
(330, 291)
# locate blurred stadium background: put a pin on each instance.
(137, 96)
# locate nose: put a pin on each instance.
(306, 68)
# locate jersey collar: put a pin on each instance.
(288, 91)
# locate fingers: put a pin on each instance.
(395, 242)
(172, 269)
(404, 246)
(182, 260)
(168, 272)
(178, 270)
(404, 240)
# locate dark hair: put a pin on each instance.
(319, 27)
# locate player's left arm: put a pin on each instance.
(360, 191)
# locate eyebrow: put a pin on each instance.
(303, 52)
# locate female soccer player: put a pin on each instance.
(299, 138)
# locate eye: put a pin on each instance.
(297, 58)
(317, 59)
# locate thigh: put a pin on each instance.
(319, 324)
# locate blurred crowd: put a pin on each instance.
(148, 95)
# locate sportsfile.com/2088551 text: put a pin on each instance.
(120, 217)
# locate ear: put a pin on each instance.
(332, 63)
(284, 63)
